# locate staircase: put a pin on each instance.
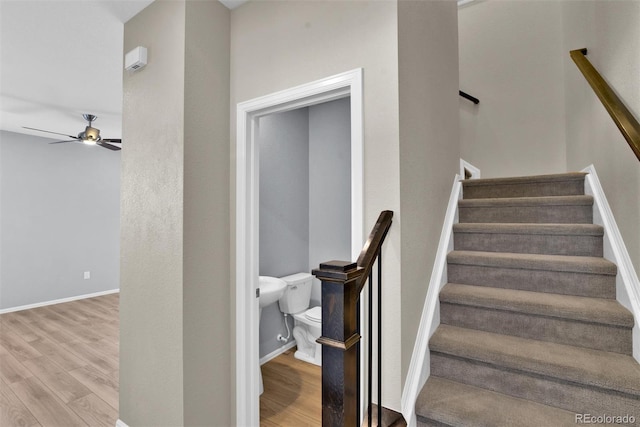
(530, 330)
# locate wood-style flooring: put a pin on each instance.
(292, 393)
(59, 368)
(59, 365)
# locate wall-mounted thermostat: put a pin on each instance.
(135, 59)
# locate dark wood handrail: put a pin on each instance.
(371, 248)
(620, 114)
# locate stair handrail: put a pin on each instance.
(465, 95)
(622, 117)
(342, 283)
(371, 248)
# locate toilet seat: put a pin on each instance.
(314, 314)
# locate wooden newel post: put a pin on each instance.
(340, 342)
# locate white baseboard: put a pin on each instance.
(430, 319)
(627, 283)
(58, 301)
(121, 423)
(277, 352)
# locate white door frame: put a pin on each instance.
(247, 214)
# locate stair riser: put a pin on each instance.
(564, 214)
(423, 422)
(542, 189)
(545, 390)
(529, 243)
(558, 282)
(562, 331)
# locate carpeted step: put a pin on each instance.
(572, 378)
(533, 210)
(551, 239)
(560, 274)
(566, 184)
(448, 403)
(601, 324)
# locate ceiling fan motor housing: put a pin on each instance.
(90, 134)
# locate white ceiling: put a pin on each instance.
(62, 58)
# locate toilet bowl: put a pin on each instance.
(307, 329)
(307, 321)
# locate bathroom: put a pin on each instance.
(305, 206)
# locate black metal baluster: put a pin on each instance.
(370, 354)
(380, 337)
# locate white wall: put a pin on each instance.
(511, 58)
(60, 217)
(610, 32)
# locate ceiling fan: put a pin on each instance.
(90, 135)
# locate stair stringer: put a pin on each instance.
(627, 283)
(419, 367)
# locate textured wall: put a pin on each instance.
(511, 59)
(174, 317)
(59, 217)
(429, 146)
(207, 333)
(152, 213)
(611, 33)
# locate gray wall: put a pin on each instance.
(284, 208)
(59, 217)
(329, 185)
(284, 193)
(175, 343)
(305, 198)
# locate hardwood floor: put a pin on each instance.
(59, 368)
(292, 393)
(59, 365)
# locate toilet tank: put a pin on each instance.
(297, 295)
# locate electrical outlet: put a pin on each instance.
(87, 275)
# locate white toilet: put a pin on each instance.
(307, 321)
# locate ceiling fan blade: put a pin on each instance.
(48, 131)
(60, 142)
(109, 146)
(116, 141)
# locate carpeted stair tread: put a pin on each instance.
(592, 368)
(539, 185)
(451, 403)
(585, 309)
(537, 238)
(537, 229)
(564, 263)
(527, 201)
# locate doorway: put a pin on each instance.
(348, 84)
